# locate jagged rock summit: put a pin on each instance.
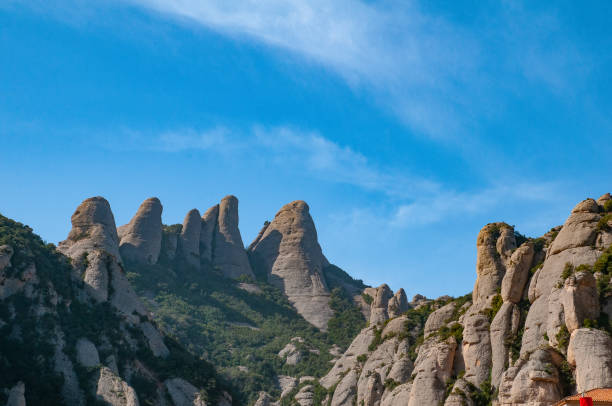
(141, 237)
(289, 252)
(536, 327)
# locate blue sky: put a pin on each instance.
(405, 125)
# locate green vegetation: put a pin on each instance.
(75, 318)
(496, 304)
(566, 378)
(483, 395)
(608, 206)
(367, 298)
(563, 337)
(602, 224)
(242, 332)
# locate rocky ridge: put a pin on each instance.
(90, 337)
(535, 328)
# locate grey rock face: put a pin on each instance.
(189, 239)
(580, 299)
(87, 353)
(155, 339)
(379, 309)
(114, 390)
(229, 253)
(517, 273)
(398, 304)
(183, 393)
(494, 245)
(93, 228)
(209, 225)
(289, 252)
(16, 396)
(590, 351)
(141, 238)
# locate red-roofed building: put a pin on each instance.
(601, 397)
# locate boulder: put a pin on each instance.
(439, 318)
(580, 299)
(590, 351)
(189, 239)
(305, 396)
(183, 393)
(398, 304)
(87, 353)
(536, 383)
(155, 340)
(517, 273)
(380, 304)
(289, 252)
(115, 391)
(579, 229)
(229, 254)
(141, 238)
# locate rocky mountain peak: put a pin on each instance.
(93, 245)
(189, 239)
(93, 227)
(289, 252)
(229, 254)
(141, 238)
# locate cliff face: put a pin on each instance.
(535, 329)
(72, 330)
(289, 253)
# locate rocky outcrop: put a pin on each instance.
(141, 238)
(115, 391)
(87, 353)
(379, 311)
(398, 304)
(93, 245)
(289, 253)
(209, 225)
(93, 229)
(580, 300)
(189, 239)
(183, 393)
(590, 352)
(16, 396)
(229, 254)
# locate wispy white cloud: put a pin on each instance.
(408, 199)
(434, 74)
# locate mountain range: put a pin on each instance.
(185, 314)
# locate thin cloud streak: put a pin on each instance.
(432, 73)
(413, 200)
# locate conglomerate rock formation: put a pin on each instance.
(535, 329)
(288, 251)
